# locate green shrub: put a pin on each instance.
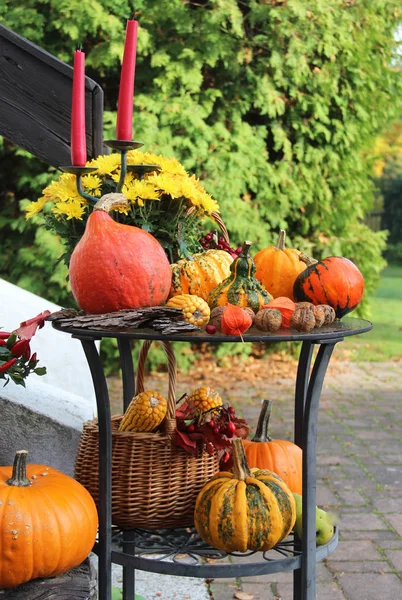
(273, 104)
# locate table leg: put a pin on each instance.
(105, 468)
(308, 392)
(128, 572)
(127, 371)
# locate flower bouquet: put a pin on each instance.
(166, 201)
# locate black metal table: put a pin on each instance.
(181, 552)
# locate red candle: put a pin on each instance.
(124, 126)
(78, 140)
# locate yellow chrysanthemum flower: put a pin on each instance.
(171, 181)
(139, 191)
(71, 210)
(35, 207)
(106, 164)
(92, 184)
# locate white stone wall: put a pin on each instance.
(62, 356)
(46, 416)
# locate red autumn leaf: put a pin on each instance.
(27, 329)
(185, 441)
(235, 320)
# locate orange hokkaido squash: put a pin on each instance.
(48, 522)
(116, 266)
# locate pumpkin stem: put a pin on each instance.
(280, 244)
(245, 249)
(240, 467)
(19, 476)
(308, 260)
(261, 432)
(111, 201)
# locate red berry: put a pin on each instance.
(190, 428)
(231, 427)
(231, 410)
(212, 423)
(217, 430)
(211, 329)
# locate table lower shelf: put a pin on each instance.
(181, 552)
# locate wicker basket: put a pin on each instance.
(154, 482)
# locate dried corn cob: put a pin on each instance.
(145, 412)
(203, 399)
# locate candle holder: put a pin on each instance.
(142, 169)
(79, 172)
(122, 146)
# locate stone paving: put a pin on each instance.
(359, 470)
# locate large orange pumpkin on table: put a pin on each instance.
(278, 267)
(116, 266)
(335, 281)
(280, 456)
(48, 522)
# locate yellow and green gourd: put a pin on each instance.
(247, 509)
(241, 288)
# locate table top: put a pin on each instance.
(339, 329)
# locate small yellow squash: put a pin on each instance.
(195, 310)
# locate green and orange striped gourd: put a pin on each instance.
(247, 509)
(241, 288)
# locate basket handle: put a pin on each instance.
(215, 216)
(170, 419)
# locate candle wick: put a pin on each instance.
(79, 48)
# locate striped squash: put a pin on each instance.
(200, 273)
(335, 281)
(244, 509)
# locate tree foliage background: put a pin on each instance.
(273, 103)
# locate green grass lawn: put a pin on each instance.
(384, 341)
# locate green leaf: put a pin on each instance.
(40, 370)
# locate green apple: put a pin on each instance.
(325, 523)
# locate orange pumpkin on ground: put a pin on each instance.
(280, 456)
(48, 522)
(116, 266)
(278, 267)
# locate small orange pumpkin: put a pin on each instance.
(278, 267)
(280, 456)
(48, 520)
